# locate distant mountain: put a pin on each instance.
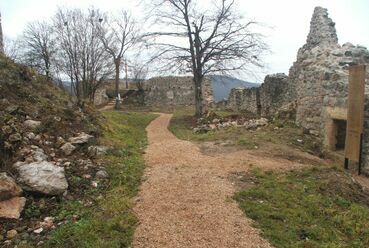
(222, 85)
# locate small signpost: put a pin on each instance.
(355, 115)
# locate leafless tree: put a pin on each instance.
(38, 48)
(81, 54)
(118, 34)
(12, 48)
(209, 40)
(139, 74)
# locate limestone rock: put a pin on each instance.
(15, 138)
(102, 174)
(42, 177)
(8, 187)
(31, 124)
(97, 150)
(82, 138)
(11, 234)
(68, 148)
(12, 208)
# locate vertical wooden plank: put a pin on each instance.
(355, 112)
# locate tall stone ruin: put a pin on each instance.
(317, 85)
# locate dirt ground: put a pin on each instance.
(185, 200)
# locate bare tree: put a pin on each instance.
(38, 47)
(118, 36)
(139, 74)
(12, 49)
(81, 54)
(205, 41)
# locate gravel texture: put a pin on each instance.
(186, 198)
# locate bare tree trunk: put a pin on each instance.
(126, 68)
(117, 73)
(198, 97)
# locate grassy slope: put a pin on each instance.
(111, 223)
(316, 207)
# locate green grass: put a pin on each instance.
(111, 223)
(315, 207)
(277, 132)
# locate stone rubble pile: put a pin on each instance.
(217, 124)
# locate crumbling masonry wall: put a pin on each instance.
(275, 92)
(318, 84)
(160, 91)
(244, 100)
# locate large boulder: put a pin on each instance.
(12, 208)
(42, 177)
(82, 138)
(8, 187)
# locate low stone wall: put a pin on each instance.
(171, 90)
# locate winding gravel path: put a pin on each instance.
(185, 200)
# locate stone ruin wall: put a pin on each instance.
(175, 91)
(244, 100)
(317, 82)
(265, 100)
(100, 97)
(275, 92)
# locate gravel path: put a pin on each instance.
(185, 200)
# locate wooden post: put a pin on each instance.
(355, 114)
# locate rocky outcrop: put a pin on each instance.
(42, 177)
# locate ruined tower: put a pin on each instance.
(1, 37)
(322, 30)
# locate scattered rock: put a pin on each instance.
(94, 184)
(82, 138)
(68, 148)
(12, 109)
(101, 174)
(97, 150)
(11, 234)
(31, 124)
(38, 230)
(59, 142)
(30, 136)
(42, 177)
(12, 208)
(15, 138)
(48, 223)
(8, 187)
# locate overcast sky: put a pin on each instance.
(289, 21)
